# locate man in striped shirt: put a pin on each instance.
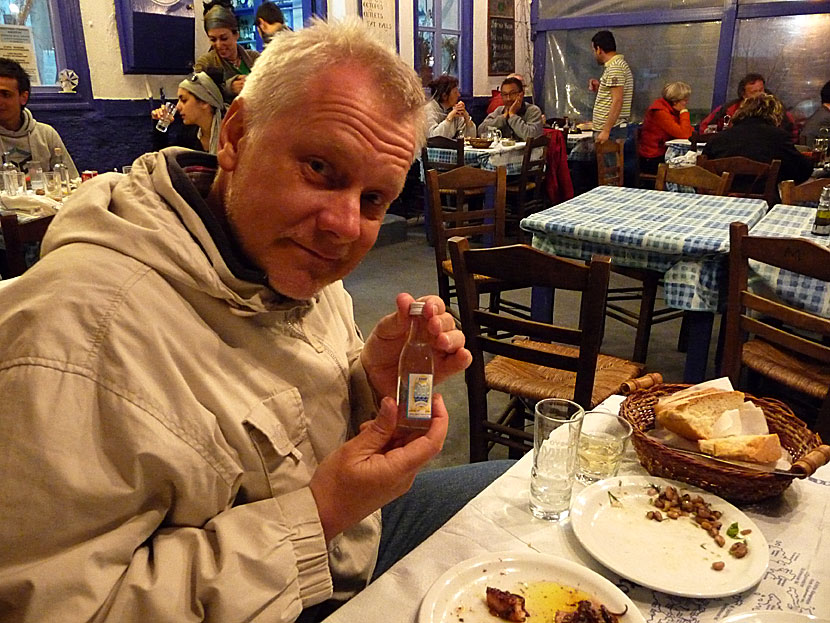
(614, 89)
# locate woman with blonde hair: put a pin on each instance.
(667, 118)
(756, 134)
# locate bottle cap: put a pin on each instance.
(416, 308)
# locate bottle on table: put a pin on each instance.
(8, 165)
(415, 369)
(821, 224)
(59, 167)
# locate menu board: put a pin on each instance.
(501, 46)
(17, 44)
(381, 17)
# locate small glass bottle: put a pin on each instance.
(59, 167)
(415, 369)
(8, 165)
(821, 225)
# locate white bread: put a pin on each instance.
(694, 416)
(753, 448)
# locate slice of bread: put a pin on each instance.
(693, 417)
(753, 448)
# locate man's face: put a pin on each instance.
(510, 92)
(597, 54)
(307, 199)
(269, 29)
(753, 88)
(11, 102)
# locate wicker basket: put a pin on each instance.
(734, 484)
(480, 143)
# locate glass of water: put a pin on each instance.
(167, 116)
(556, 428)
(602, 444)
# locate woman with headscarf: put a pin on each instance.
(446, 114)
(200, 107)
(225, 53)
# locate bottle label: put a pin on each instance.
(419, 398)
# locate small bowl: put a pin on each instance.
(480, 143)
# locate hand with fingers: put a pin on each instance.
(383, 348)
(374, 467)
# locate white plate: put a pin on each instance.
(460, 592)
(672, 556)
(773, 616)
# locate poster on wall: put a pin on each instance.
(501, 8)
(18, 44)
(382, 17)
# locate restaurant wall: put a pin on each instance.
(117, 129)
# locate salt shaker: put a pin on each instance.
(821, 225)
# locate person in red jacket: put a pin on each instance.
(667, 118)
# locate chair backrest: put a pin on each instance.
(806, 193)
(610, 164)
(753, 179)
(703, 181)
(797, 255)
(458, 207)
(532, 175)
(522, 266)
(442, 142)
(16, 235)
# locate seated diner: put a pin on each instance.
(667, 118)
(447, 115)
(515, 118)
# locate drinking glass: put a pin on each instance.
(601, 446)
(14, 182)
(36, 175)
(167, 116)
(556, 429)
(53, 183)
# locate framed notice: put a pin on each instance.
(501, 8)
(17, 44)
(501, 46)
(382, 17)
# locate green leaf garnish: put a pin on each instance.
(733, 530)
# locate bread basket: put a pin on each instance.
(480, 143)
(731, 483)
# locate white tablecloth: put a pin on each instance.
(796, 525)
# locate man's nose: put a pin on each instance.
(341, 216)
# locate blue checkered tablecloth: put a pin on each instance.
(686, 237)
(806, 293)
(490, 159)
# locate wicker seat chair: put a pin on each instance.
(527, 194)
(751, 179)
(549, 361)
(787, 354)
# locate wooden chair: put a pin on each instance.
(527, 195)
(752, 179)
(610, 174)
(441, 142)
(551, 361)
(806, 193)
(644, 180)
(452, 213)
(788, 358)
(16, 235)
(702, 180)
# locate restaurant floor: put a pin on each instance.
(410, 266)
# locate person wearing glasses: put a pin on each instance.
(447, 115)
(515, 119)
(200, 106)
(225, 53)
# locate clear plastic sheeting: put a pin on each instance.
(550, 9)
(657, 54)
(790, 52)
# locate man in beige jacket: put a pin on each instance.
(192, 426)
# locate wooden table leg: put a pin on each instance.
(697, 354)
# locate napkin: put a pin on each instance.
(31, 205)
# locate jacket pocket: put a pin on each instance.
(277, 429)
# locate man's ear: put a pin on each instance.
(230, 135)
(24, 98)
